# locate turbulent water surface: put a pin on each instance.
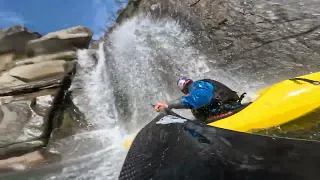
(139, 65)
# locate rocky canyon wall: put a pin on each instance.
(35, 74)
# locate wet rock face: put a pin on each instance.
(247, 36)
(24, 121)
(22, 162)
(34, 73)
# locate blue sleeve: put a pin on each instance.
(201, 94)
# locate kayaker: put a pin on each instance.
(204, 97)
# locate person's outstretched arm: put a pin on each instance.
(177, 104)
(200, 95)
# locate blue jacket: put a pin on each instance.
(201, 94)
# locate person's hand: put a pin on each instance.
(160, 105)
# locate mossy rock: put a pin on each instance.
(68, 119)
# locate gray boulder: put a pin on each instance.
(24, 121)
(63, 40)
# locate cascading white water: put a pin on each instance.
(97, 154)
(140, 65)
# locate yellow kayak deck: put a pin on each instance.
(278, 104)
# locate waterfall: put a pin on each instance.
(139, 64)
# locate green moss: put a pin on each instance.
(68, 122)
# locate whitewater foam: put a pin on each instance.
(170, 119)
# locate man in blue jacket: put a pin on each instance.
(204, 97)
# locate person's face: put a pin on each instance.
(186, 89)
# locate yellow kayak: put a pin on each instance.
(275, 105)
(278, 104)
